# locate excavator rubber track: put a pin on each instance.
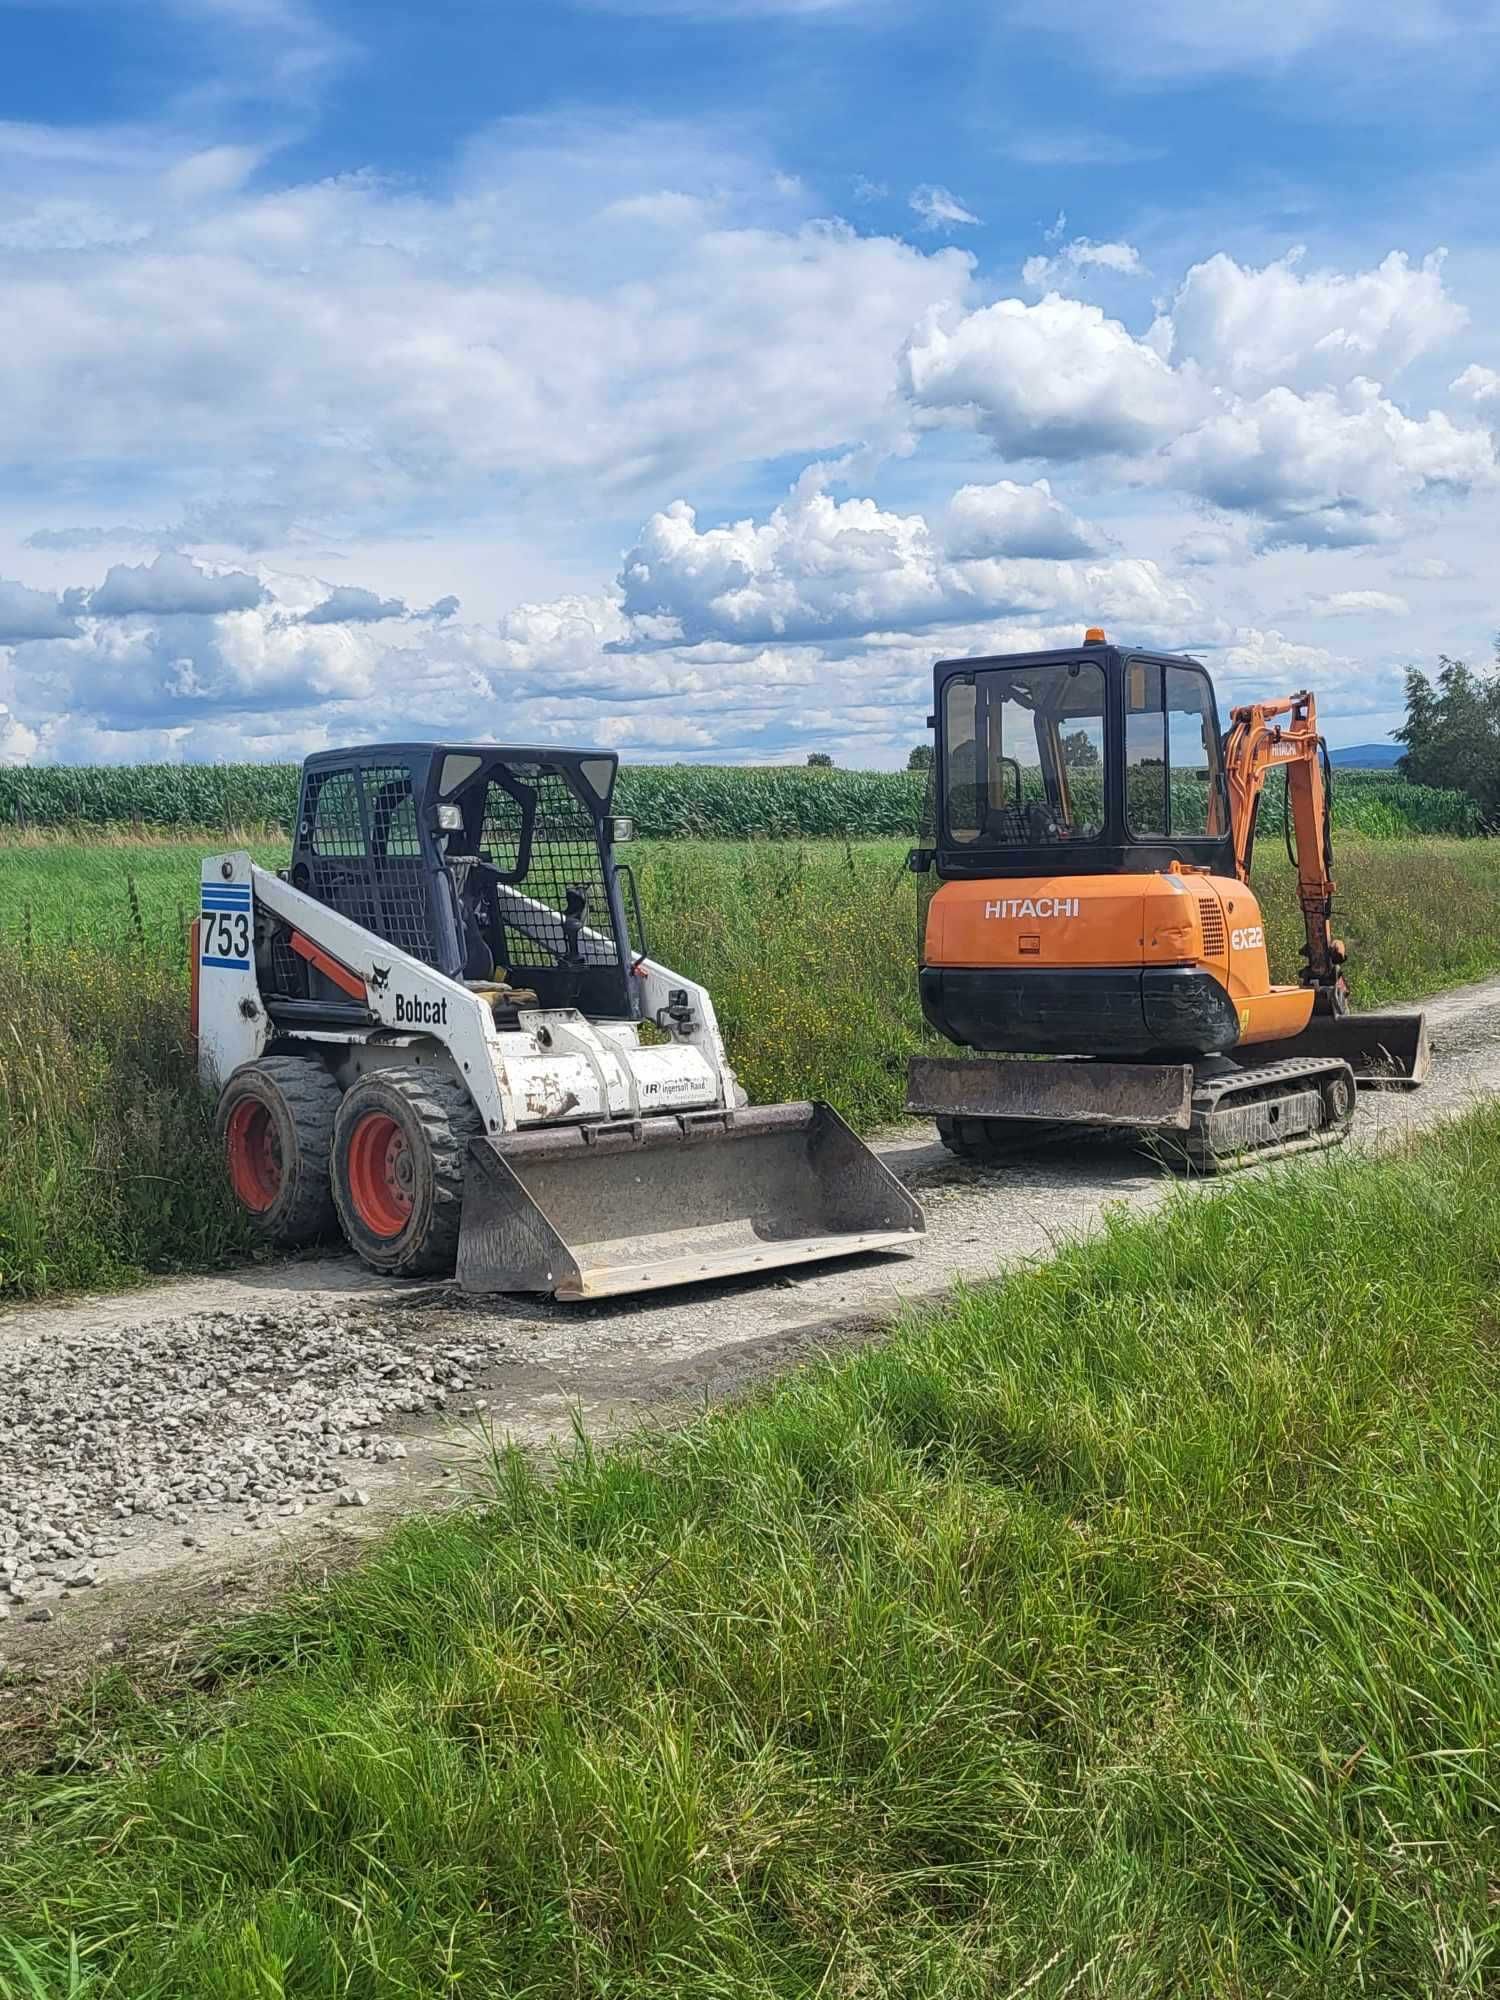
(1266, 1111)
(1208, 1119)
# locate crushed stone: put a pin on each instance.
(246, 1415)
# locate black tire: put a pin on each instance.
(275, 1123)
(984, 1140)
(400, 1143)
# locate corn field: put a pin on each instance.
(667, 801)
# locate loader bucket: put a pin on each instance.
(586, 1212)
(1389, 1050)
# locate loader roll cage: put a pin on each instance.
(491, 864)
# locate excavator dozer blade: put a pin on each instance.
(587, 1212)
(1143, 1096)
(1389, 1050)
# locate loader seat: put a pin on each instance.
(479, 960)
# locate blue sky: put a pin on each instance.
(687, 375)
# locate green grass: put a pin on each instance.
(1129, 1628)
(107, 1163)
(669, 801)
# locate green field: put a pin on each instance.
(668, 801)
(1130, 1628)
(107, 1167)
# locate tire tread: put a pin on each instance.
(449, 1119)
(311, 1097)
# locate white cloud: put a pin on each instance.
(1041, 274)
(18, 744)
(1054, 380)
(349, 604)
(1249, 392)
(1005, 519)
(1249, 328)
(1358, 604)
(1425, 569)
(346, 350)
(1479, 384)
(210, 174)
(1262, 663)
(1059, 146)
(816, 622)
(817, 569)
(939, 209)
(31, 614)
(1326, 469)
(173, 584)
(1184, 38)
(481, 388)
(1205, 548)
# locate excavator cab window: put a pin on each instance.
(1174, 772)
(1024, 755)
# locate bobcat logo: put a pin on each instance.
(380, 977)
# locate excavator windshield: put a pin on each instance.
(1024, 755)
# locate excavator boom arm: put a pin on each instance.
(1259, 742)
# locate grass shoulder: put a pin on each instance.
(1129, 1626)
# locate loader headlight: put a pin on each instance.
(621, 829)
(450, 819)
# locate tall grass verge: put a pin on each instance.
(108, 1166)
(808, 950)
(1131, 1627)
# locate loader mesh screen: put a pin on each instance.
(366, 856)
(563, 858)
(403, 885)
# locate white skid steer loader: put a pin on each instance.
(438, 1030)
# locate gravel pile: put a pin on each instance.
(245, 1415)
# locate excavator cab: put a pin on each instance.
(1086, 894)
(1100, 760)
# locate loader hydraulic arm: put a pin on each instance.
(1257, 744)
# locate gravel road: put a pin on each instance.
(165, 1452)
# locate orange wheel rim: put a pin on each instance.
(381, 1171)
(254, 1153)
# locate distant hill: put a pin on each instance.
(1369, 756)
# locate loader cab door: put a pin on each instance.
(360, 848)
(533, 870)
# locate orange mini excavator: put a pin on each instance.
(1085, 895)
